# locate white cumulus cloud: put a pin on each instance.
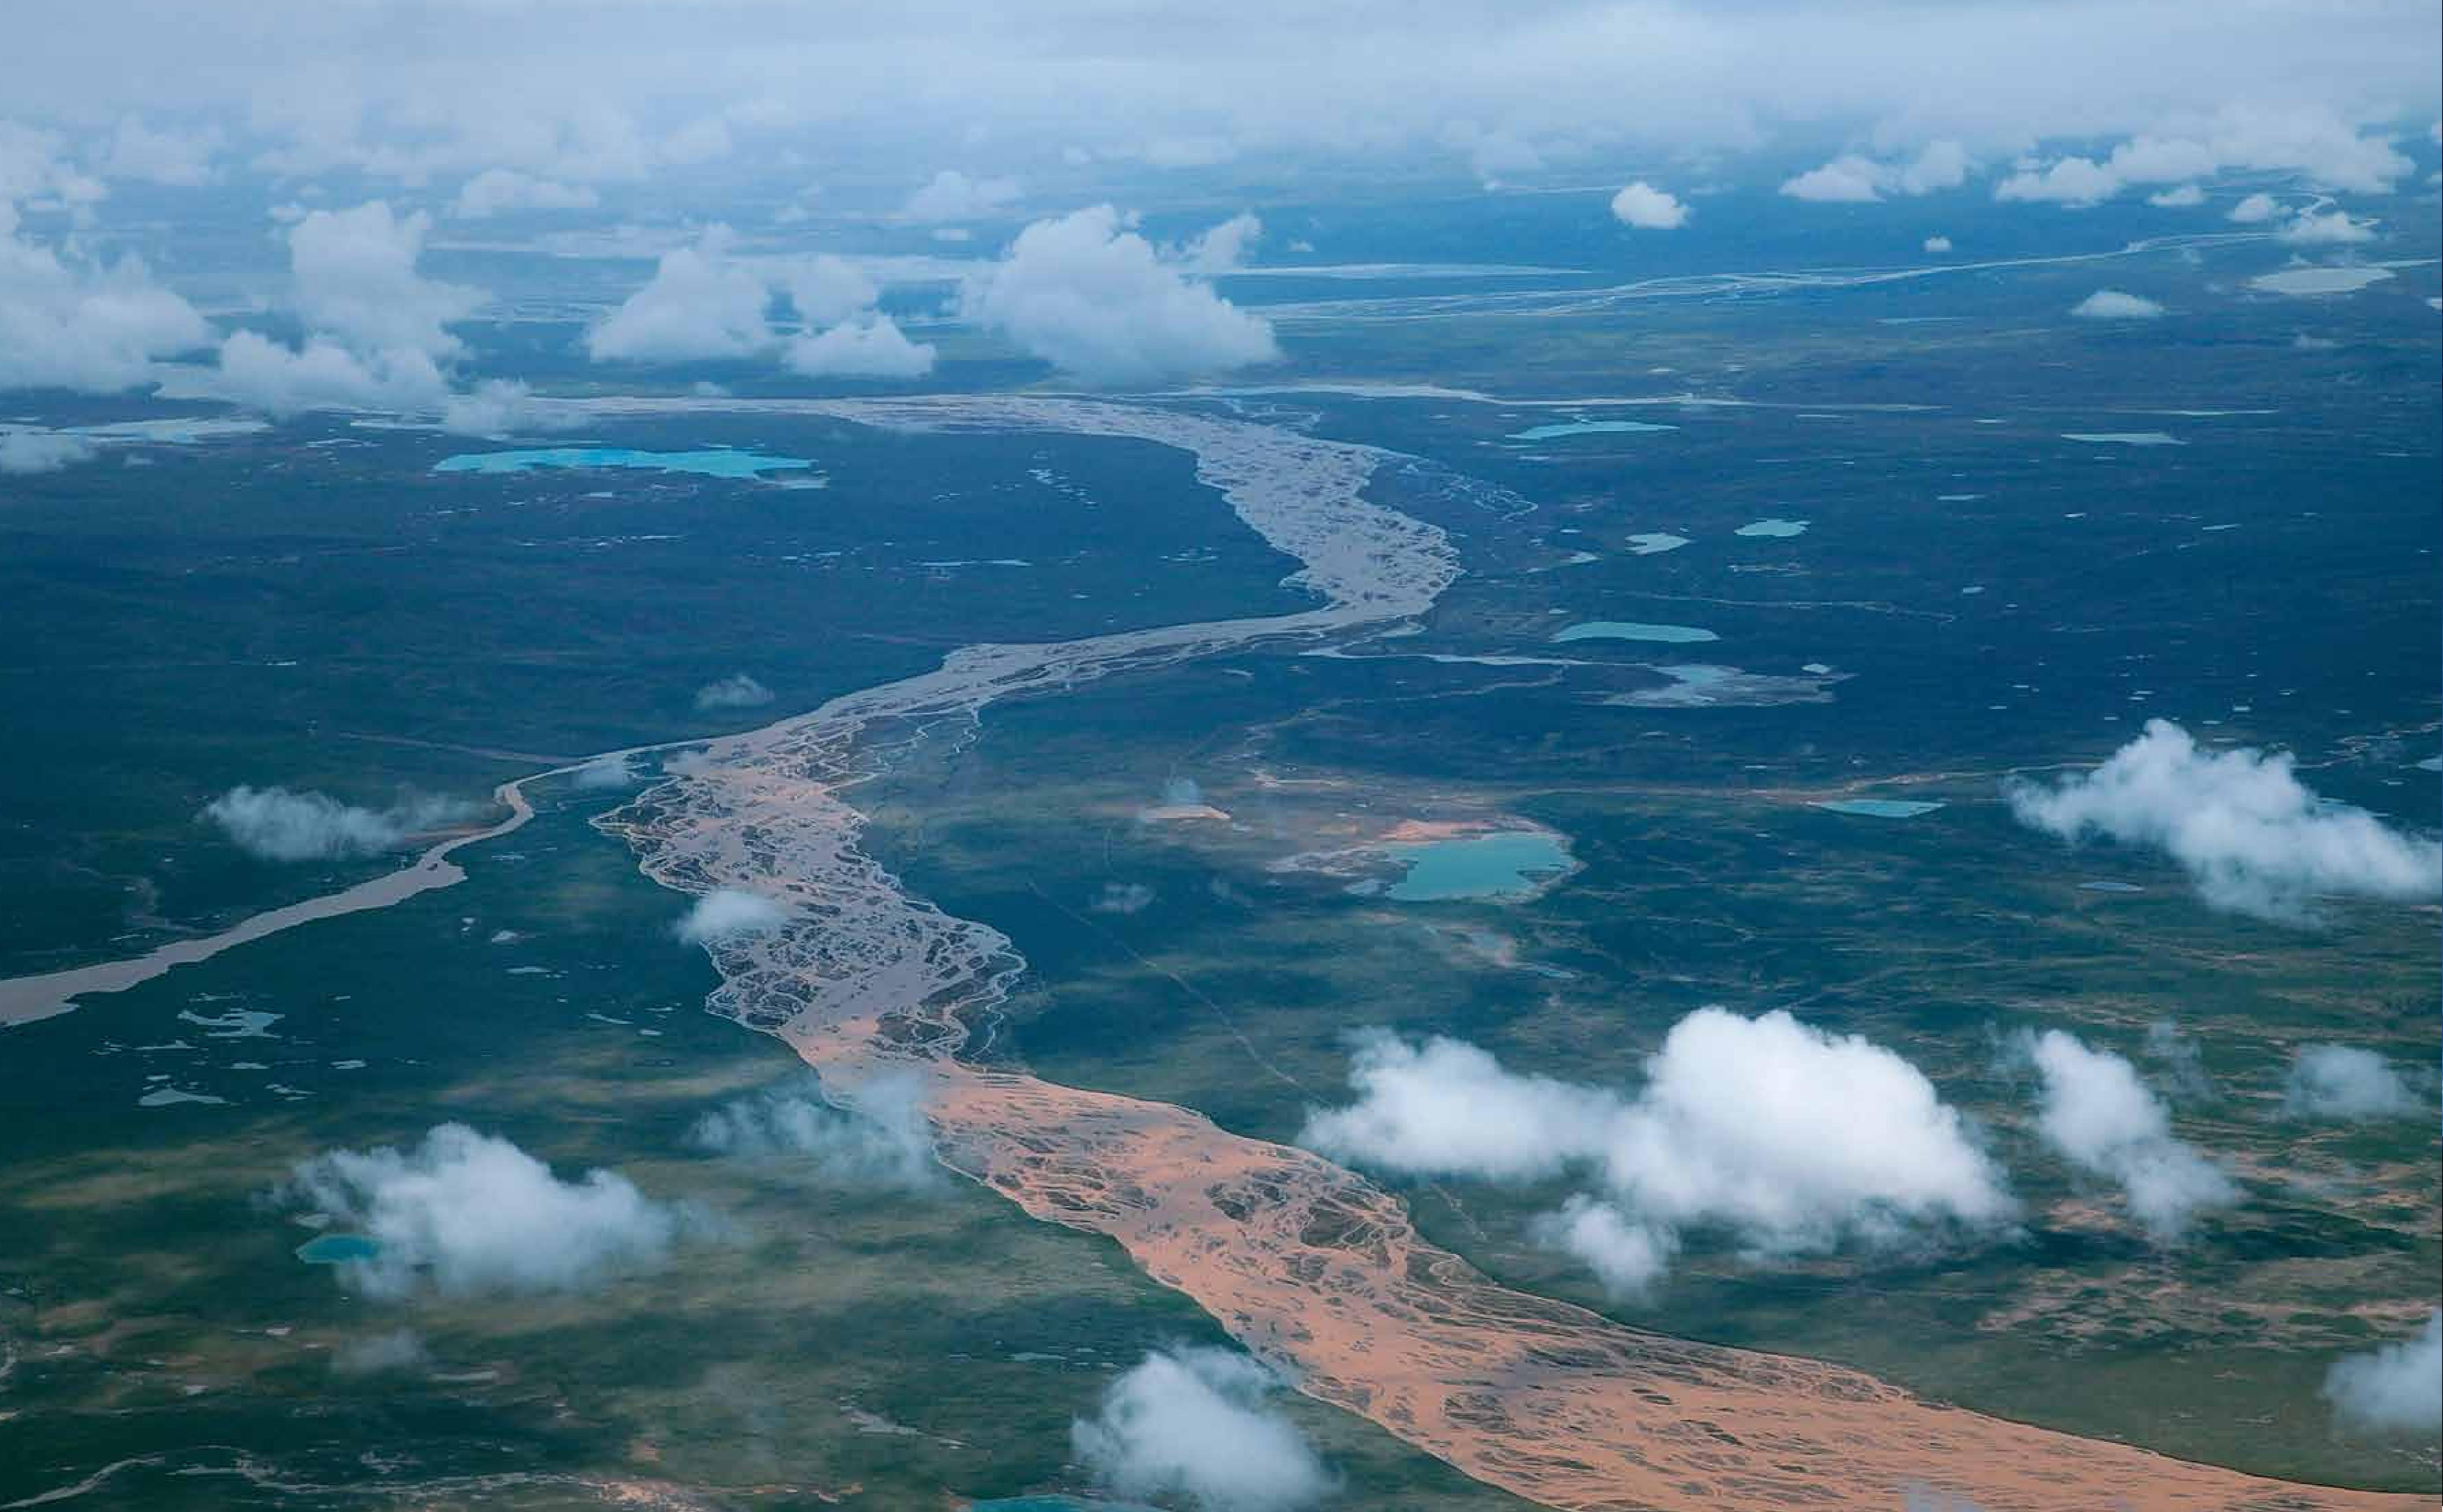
(1195, 1422)
(1792, 1138)
(1626, 1255)
(2326, 227)
(725, 913)
(700, 304)
(356, 279)
(2394, 1389)
(23, 453)
(278, 826)
(2112, 305)
(1088, 294)
(73, 322)
(952, 196)
(1220, 248)
(870, 345)
(737, 691)
(471, 1213)
(1644, 207)
(2345, 1083)
(2315, 143)
(1854, 179)
(260, 373)
(826, 290)
(2256, 208)
(377, 329)
(504, 190)
(2097, 1114)
(2076, 182)
(499, 406)
(160, 156)
(2185, 196)
(611, 770)
(2252, 837)
(880, 1138)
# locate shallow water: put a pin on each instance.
(2320, 280)
(721, 463)
(337, 1250)
(1548, 432)
(1631, 630)
(1773, 527)
(1655, 544)
(1507, 863)
(1879, 807)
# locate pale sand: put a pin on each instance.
(1309, 1265)
(25, 999)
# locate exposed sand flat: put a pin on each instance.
(1308, 1264)
(25, 999)
(1322, 1274)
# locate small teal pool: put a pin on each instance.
(1879, 807)
(721, 463)
(338, 1249)
(1631, 629)
(1554, 432)
(1504, 864)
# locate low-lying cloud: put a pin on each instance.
(25, 453)
(278, 826)
(737, 691)
(401, 1349)
(2325, 227)
(2347, 1084)
(1196, 1423)
(2323, 147)
(1642, 207)
(1854, 179)
(701, 304)
(504, 190)
(727, 913)
(2099, 1114)
(68, 320)
(2252, 837)
(2112, 305)
(868, 345)
(1088, 294)
(2394, 1388)
(1123, 897)
(1792, 1138)
(952, 196)
(878, 1139)
(466, 1213)
(614, 769)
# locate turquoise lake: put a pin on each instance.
(338, 1249)
(715, 464)
(1554, 432)
(1507, 863)
(1631, 629)
(1879, 807)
